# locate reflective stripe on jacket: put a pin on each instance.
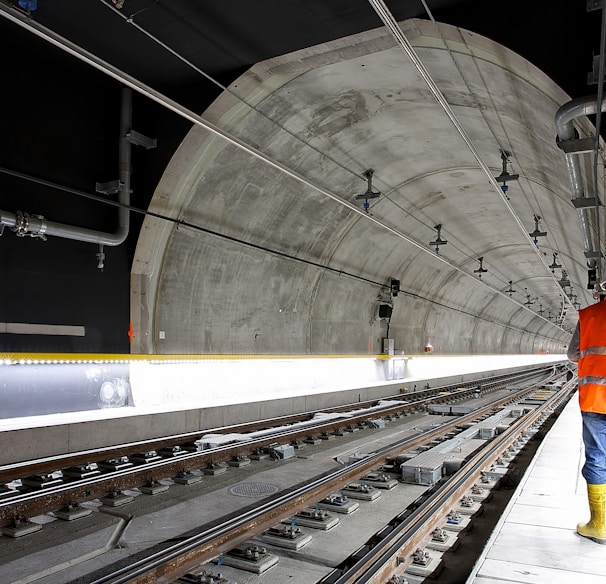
(592, 359)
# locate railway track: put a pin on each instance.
(187, 556)
(44, 485)
(392, 554)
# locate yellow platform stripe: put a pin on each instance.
(114, 357)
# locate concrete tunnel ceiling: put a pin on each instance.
(319, 266)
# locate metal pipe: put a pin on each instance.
(38, 226)
(575, 108)
(124, 166)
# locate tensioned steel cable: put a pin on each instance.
(447, 47)
(130, 20)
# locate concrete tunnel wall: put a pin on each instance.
(358, 103)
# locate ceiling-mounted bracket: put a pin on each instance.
(369, 194)
(585, 202)
(438, 241)
(593, 77)
(135, 138)
(394, 286)
(577, 145)
(537, 232)
(555, 264)
(481, 270)
(110, 187)
(505, 174)
(138, 139)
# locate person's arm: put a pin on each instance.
(574, 347)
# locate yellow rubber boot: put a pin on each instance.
(595, 529)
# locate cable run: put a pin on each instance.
(394, 29)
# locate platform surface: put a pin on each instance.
(535, 541)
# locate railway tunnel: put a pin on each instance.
(253, 229)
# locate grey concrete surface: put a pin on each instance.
(184, 508)
(328, 113)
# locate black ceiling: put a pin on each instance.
(223, 38)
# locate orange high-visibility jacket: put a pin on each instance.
(592, 359)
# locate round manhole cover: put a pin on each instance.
(253, 489)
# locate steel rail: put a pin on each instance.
(14, 471)
(394, 552)
(169, 564)
(56, 497)
(60, 496)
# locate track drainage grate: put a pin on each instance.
(253, 489)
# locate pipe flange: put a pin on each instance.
(30, 225)
(42, 227)
(21, 223)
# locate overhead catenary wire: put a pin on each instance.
(322, 153)
(528, 179)
(155, 39)
(129, 18)
(112, 71)
(447, 47)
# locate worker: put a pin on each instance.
(588, 348)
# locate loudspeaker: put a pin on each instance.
(385, 311)
(592, 278)
(395, 287)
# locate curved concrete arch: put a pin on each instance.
(361, 102)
